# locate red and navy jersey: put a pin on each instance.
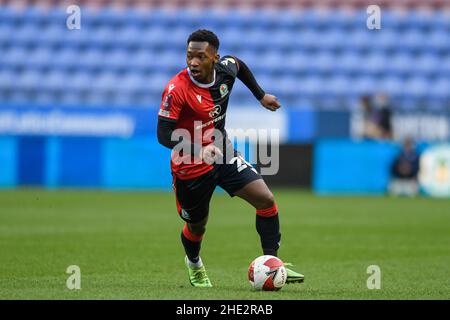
(198, 107)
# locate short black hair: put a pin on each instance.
(203, 35)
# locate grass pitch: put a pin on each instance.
(127, 246)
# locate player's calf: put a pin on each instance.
(268, 227)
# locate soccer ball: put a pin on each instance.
(267, 273)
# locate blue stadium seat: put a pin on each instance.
(323, 62)
(441, 21)
(158, 17)
(79, 82)
(14, 57)
(7, 81)
(412, 39)
(117, 60)
(426, 65)
(6, 33)
(361, 85)
(66, 58)
(158, 81)
(127, 56)
(40, 58)
(268, 62)
(439, 88)
(393, 85)
(104, 81)
(401, 64)
(374, 63)
(348, 63)
(338, 85)
(307, 40)
(54, 81)
(101, 37)
(154, 38)
(333, 40)
(444, 64)
(416, 87)
(310, 86)
(439, 40)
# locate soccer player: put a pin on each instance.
(196, 100)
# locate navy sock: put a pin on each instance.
(192, 248)
(269, 232)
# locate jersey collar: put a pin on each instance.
(202, 85)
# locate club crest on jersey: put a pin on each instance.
(216, 111)
(223, 90)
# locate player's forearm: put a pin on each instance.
(165, 131)
(247, 78)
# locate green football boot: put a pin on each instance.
(292, 276)
(198, 276)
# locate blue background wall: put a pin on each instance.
(84, 162)
(348, 166)
(139, 161)
(8, 161)
(343, 166)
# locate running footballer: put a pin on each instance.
(195, 101)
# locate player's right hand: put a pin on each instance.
(270, 102)
(211, 154)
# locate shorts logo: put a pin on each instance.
(185, 215)
(242, 164)
(216, 111)
(223, 90)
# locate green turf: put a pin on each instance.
(127, 246)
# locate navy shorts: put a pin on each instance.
(193, 195)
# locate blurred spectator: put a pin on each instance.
(404, 171)
(377, 117)
(367, 116)
(383, 116)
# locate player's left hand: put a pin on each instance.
(270, 102)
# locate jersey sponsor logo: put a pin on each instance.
(171, 87)
(206, 124)
(216, 111)
(223, 90)
(199, 98)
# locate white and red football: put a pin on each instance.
(267, 273)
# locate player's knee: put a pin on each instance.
(197, 228)
(266, 201)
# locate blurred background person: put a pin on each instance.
(383, 115)
(376, 114)
(404, 171)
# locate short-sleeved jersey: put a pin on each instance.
(197, 107)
